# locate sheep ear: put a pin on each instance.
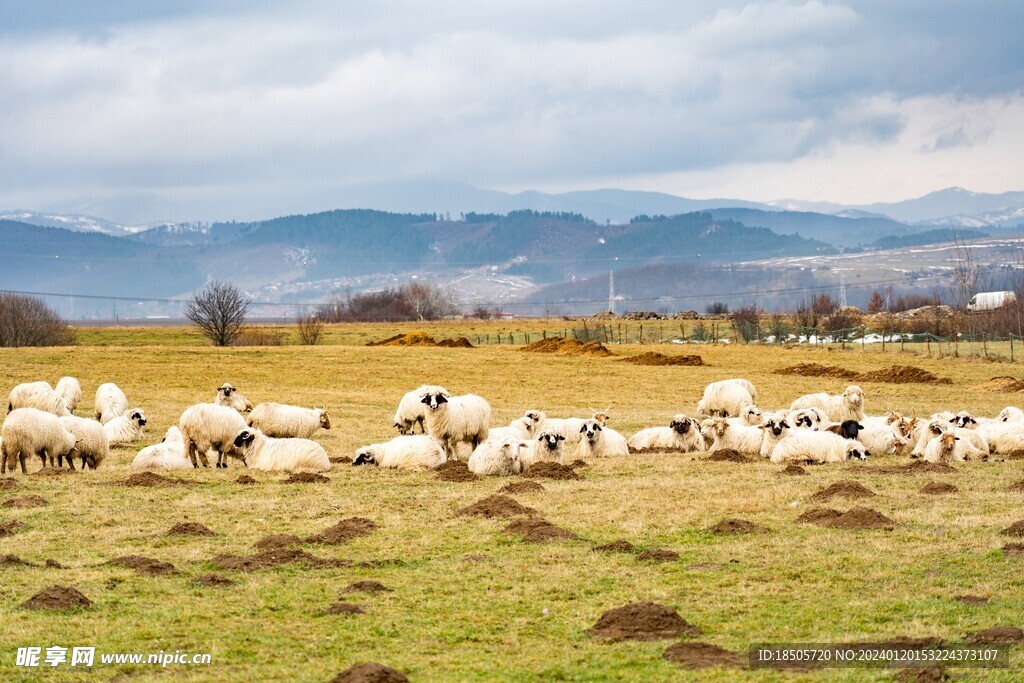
(560, 438)
(583, 429)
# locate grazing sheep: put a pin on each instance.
(948, 447)
(91, 441)
(261, 452)
(682, 434)
(228, 395)
(169, 454)
(1011, 414)
(810, 447)
(208, 426)
(458, 422)
(547, 447)
(38, 395)
(110, 402)
(775, 429)
(742, 438)
(727, 398)
(71, 391)
(30, 431)
(848, 429)
(807, 418)
(126, 428)
(411, 411)
(496, 458)
(407, 452)
(848, 405)
(278, 420)
(601, 442)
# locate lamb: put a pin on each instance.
(278, 420)
(71, 391)
(727, 398)
(411, 411)
(110, 402)
(805, 446)
(261, 452)
(848, 405)
(30, 431)
(775, 429)
(498, 458)
(38, 395)
(90, 441)
(547, 447)
(682, 434)
(405, 452)
(807, 418)
(1011, 414)
(228, 395)
(460, 423)
(948, 447)
(168, 454)
(126, 428)
(208, 426)
(742, 438)
(601, 442)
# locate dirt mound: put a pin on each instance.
(738, 526)
(592, 349)
(494, 507)
(460, 343)
(793, 471)
(551, 470)
(938, 488)
(567, 347)
(894, 374)
(578, 463)
(1017, 487)
(727, 455)
(274, 557)
(366, 587)
(642, 621)
(57, 598)
(54, 564)
(278, 541)
(917, 467)
(856, 518)
(306, 478)
(1016, 454)
(145, 566)
(700, 655)
(9, 560)
(842, 489)
(213, 581)
(408, 339)
(344, 608)
(1014, 549)
(151, 479)
(816, 370)
(1003, 635)
(51, 472)
(10, 527)
(818, 516)
(344, 531)
(370, 672)
(189, 529)
(655, 358)
(245, 479)
(615, 547)
(340, 460)
(7, 484)
(522, 487)
(1015, 529)
(29, 501)
(971, 599)
(1003, 383)
(933, 674)
(660, 555)
(455, 470)
(536, 530)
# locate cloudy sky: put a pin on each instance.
(215, 110)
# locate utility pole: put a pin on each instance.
(611, 291)
(842, 290)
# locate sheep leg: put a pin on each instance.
(42, 456)
(21, 458)
(71, 463)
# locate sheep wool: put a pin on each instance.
(126, 428)
(71, 391)
(207, 426)
(727, 398)
(168, 454)
(261, 452)
(460, 423)
(278, 420)
(682, 434)
(496, 458)
(91, 440)
(547, 447)
(228, 395)
(601, 442)
(806, 446)
(407, 452)
(38, 395)
(411, 411)
(848, 405)
(110, 402)
(32, 432)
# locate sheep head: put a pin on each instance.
(776, 425)
(719, 426)
(245, 438)
(751, 414)
(137, 416)
(854, 395)
(364, 456)
(434, 397)
(856, 451)
(964, 420)
(591, 429)
(550, 439)
(680, 423)
(325, 419)
(226, 389)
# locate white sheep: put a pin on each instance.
(807, 446)
(726, 398)
(407, 452)
(948, 447)
(807, 418)
(547, 447)
(228, 395)
(261, 452)
(168, 454)
(278, 420)
(848, 405)
(460, 423)
(746, 384)
(30, 431)
(601, 442)
(110, 402)
(91, 440)
(742, 438)
(38, 395)
(411, 411)
(498, 458)
(750, 416)
(1003, 437)
(682, 434)
(208, 426)
(71, 391)
(1011, 414)
(775, 429)
(126, 428)
(883, 437)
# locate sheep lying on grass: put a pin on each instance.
(126, 428)
(807, 418)
(803, 446)
(110, 402)
(547, 447)
(496, 458)
(742, 438)
(1011, 414)
(261, 452)
(30, 431)
(207, 426)
(948, 447)
(460, 423)
(91, 441)
(601, 442)
(168, 454)
(38, 395)
(228, 395)
(775, 429)
(682, 434)
(848, 405)
(279, 420)
(419, 452)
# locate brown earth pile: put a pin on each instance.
(793, 471)
(245, 479)
(1003, 383)
(340, 460)
(51, 472)
(494, 507)
(57, 598)
(655, 358)
(190, 529)
(567, 347)
(1014, 549)
(972, 599)
(1016, 487)
(460, 343)
(842, 489)
(536, 530)
(1015, 529)
(620, 546)
(917, 467)
(727, 455)
(145, 566)
(10, 527)
(658, 555)
(306, 478)
(366, 587)
(936, 488)
(551, 470)
(522, 487)
(278, 541)
(408, 339)
(738, 526)
(818, 516)
(894, 374)
(856, 518)
(6, 484)
(455, 470)
(275, 557)
(151, 479)
(642, 621)
(576, 464)
(817, 370)
(1003, 635)
(213, 581)
(10, 560)
(932, 674)
(701, 655)
(344, 608)
(29, 501)
(344, 531)
(370, 672)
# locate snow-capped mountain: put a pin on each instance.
(76, 222)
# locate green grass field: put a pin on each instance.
(469, 602)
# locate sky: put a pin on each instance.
(197, 110)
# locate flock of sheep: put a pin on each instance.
(816, 428)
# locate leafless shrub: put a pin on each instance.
(310, 327)
(747, 321)
(28, 321)
(219, 312)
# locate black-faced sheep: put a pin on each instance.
(460, 423)
(228, 395)
(408, 452)
(600, 442)
(126, 428)
(547, 447)
(806, 446)
(261, 452)
(682, 434)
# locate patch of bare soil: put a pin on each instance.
(344, 531)
(190, 529)
(370, 672)
(57, 598)
(275, 557)
(536, 530)
(245, 479)
(54, 564)
(817, 370)
(655, 358)
(793, 471)
(738, 526)
(842, 489)
(1015, 529)
(1013, 549)
(578, 463)
(1017, 487)
(856, 518)
(213, 581)
(933, 674)
(620, 546)
(700, 566)
(10, 527)
(895, 374)
(344, 608)
(146, 566)
(7, 484)
(522, 487)
(340, 460)
(937, 488)
(1002, 384)
(306, 478)
(567, 347)
(455, 470)
(701, 655)
(727, 455)
(494, 507)
(1001, 635)
(916, 467)
(153, 479)
(551, 470)
(29, 501)
(818, 516)
(278, 541)
(460, 343)
(971, 599)
(51, 472)
(642, 621)
(658, 555)
(10, 560)
(1016, 454)
(408, 339)
(366, 587)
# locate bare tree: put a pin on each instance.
(28, 321)
(219, 312)
(311, 328)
